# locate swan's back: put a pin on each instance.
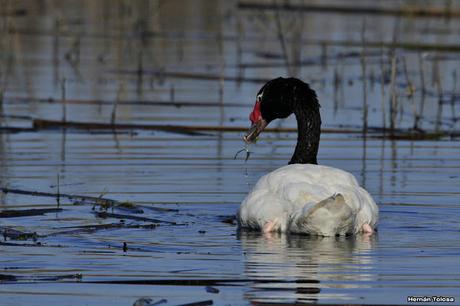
(294, 190)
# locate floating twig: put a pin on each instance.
(248, 153)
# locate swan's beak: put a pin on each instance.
(255, 130)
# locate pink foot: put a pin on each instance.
(367, 229)
(269, 226)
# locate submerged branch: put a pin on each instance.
(405, 11)
(104, 203)
(199, 129)
(192, 75)
(85, 229)
(74, 197)
(27, 212)
(415, 46)
(104, 214)
(42, 124)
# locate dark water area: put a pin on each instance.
(148, 211)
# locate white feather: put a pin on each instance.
(311, 199)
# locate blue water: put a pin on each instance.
(196, 179)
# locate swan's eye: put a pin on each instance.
(259, 98)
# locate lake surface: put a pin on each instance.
(200, 64)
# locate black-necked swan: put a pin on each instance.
(302, 197)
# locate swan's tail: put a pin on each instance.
(329, 217)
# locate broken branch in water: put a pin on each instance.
(201, 303)
(191, 75)
(97, 227)
(80, 199)
(196, 130)
(415, 46)
(175, 103)
(76, 199)
(14, 234)
(104, 214)
(36, 244)
(40, 124)
(28, 212)
(32, 278)
(71, 197)
(13, 129)
(404, 11)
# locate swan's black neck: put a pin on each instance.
(280, 98)
(306, 109)
(308, 134)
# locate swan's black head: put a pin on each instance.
(278, 99)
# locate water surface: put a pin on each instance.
(93, 54)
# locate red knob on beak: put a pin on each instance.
(255, 115)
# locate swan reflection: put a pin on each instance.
(300, 269)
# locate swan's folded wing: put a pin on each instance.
(329, 217)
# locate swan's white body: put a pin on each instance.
(309, 199)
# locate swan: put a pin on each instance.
(302, 197)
